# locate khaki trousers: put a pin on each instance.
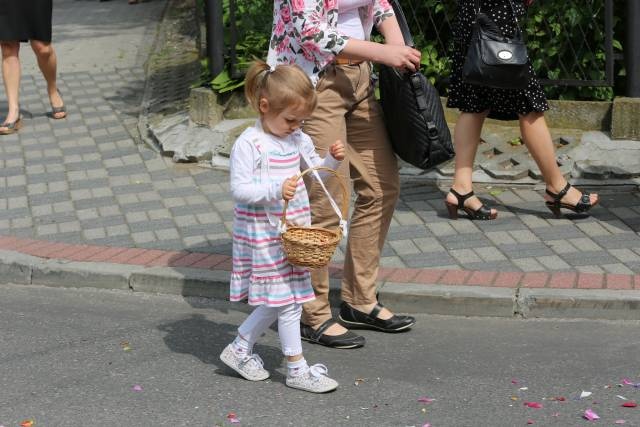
(348, 111)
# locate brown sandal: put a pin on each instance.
(12, 127)
(57, 110)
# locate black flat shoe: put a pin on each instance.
(317, 336)
(355, 319)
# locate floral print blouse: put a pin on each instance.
(305, 32)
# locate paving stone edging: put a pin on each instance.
(23, 269)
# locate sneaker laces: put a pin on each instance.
(253, 362)
(318, 370)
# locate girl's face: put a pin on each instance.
(285, 122)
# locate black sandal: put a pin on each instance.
(356, 319)
(583, 205)
(12, 127)
(317, 336)
(482, 213)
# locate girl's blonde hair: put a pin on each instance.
(283, 86)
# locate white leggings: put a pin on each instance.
(262, 317)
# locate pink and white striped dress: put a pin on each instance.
(260, 162)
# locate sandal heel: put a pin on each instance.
(555, 210)
(453, 210)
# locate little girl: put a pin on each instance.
(264, 162)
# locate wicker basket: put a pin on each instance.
(312, 247)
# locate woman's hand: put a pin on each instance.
(337, 150)
(289, 188)
(402, 57)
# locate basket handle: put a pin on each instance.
(342, 213)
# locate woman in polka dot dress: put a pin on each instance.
(526, 105)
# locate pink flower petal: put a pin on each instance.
(529, 421)
(629, 404)
(426, 425)
(627, 381)
(590, 415)
(425, 399)
(620, 421)
(137, 388)
(535, 405)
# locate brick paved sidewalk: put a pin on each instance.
(84, 184)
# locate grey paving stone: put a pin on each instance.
(553, 262)
(464, 241)
(403, 232)
(94, 233)
(465, 256)
(618, 241)
(441, 229)
(589, 258)
(585, 244)
(525, 250)
(561, 246)
(529, 264)
(404, 247)
(47, 198)
(194, 209)
(201, 230)
(556, 232)
(617, 268)
(625, 255)
(167, 234)
(141, 206)
(95, 202)
(101, 221)
(524, 236)
(152, 225)
(55, 218)
(132, 188)
(504, 265)
(589, 269)
(432, 259)
(489, 253)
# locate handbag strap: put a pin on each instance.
(513, 13)
(402, 23)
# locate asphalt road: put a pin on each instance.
(106, 358)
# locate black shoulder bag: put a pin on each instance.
(413, 112)
(494, 60)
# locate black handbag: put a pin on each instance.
(413, 112)
(494, 60)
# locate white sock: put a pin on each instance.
(297, 368)
(241, 347)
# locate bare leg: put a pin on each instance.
(466, 138)
(48, 63)
(537, 138)
(11, 78)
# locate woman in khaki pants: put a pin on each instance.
(329, 39)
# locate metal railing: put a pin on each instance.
(574, 60)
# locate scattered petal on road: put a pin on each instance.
(523, 388)
(620, 421)
(425, 399)
(137, 388)
(27, 423)
(629, 404)
(233, 418)
(529, 421)
(590, 415)
(535, 405)
(585, 394)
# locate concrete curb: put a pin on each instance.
(18, 268)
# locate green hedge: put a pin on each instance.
(565, 40)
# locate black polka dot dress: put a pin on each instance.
(503, 104)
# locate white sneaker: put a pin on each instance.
(314, 380)
(250, 366)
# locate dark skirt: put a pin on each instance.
(503, 104)
(25, 20)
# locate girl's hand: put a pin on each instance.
(289, 188)
(402, 57)
(337, 150)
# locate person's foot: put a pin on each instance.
(572, 198)
(471, 204)
(357, 319)
(58, 110)
(314, 380)
(249, 366)
(11, 123)
(331, 334)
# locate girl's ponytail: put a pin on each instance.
(254, 82)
